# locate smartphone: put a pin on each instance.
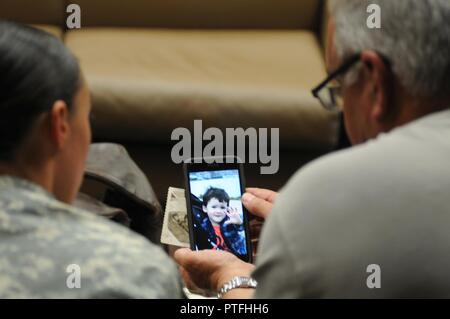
(217, 219)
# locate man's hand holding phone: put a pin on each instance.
(210, 269)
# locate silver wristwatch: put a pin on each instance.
(237, 282)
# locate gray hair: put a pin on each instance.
(414, 36)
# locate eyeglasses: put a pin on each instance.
(329, 92)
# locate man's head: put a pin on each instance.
(215, 204)
(44, 107)
(403, 70)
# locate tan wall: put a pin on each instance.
(259, 14)
(34, 11)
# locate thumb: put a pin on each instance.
(182, 256)
(257, 206)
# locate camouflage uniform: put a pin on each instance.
(40, 237)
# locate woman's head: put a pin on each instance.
(44, 107)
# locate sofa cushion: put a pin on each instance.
(145, 83)
(294, 14)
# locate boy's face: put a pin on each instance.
(216, 210)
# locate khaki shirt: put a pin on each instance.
(52, 250)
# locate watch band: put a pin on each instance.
(237, 282)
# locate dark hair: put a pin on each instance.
(217, 193)
(36, 70)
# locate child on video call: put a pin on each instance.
(220, 226)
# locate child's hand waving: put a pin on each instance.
(233, 217)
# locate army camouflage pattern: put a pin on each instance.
(40, 237)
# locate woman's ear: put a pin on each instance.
(204, 209)
(378, 75)
(59, 124)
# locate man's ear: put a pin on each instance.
(204, 209)
(59, 124)
(379, 76)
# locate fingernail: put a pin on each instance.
(247, 198)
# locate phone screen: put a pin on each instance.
(218, 219)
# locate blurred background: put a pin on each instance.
(155, 65)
